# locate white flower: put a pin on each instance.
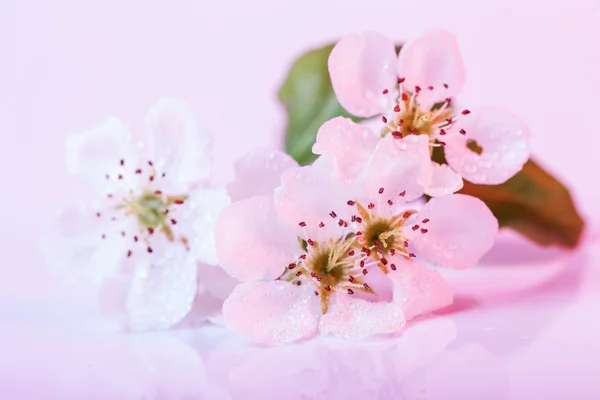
(145, 217)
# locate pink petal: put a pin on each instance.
(272, 313)
(441, 180)
(251, 242)
(350, 144)
(361, 68)
(258, 173)
(309, 194)
(163, 288)
(176, 143)
(356, 319)
(433, 59)
(419, 289)
(397, 165)
(98, 152)
(460, 230)
(196, 220)
(504, 139)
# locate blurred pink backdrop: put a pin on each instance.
(66, 64)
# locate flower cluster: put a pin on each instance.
(346, 246)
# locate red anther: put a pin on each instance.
(400, 122)
(321, 224)
(341, 222)
(316, 293)
(415, 227)
(351, 202)
(164, 174)
(298, 273)
(122, 162)
(367, 252)
(417, 89)
(404, 97)
(149, 249)
(359, 220)
(103, 236)
(113, 219)
(445, 86)
(465, 112)
(448, 100)
(371, 206)
(122, 233)
(401, 80)
(441, 143)
(313, 274)
(423, 231)
(298, 283)
(384, 261)
(109, 196)
(430, 87)
(402, 193)
(310, 241)
(442, 132)
(366, 286)
(150, 230)
(328, 288)
(390, 203)
(396, 108)
(381, 190)
(151, 178)
(393, 252)
(120, 177)
(178, 201)
(405, 243)
(135, 239)
(397, 134)
(385, 91)
(351, 278)
(412, 255)
(166, 211)
(365, 271)
(384, 119)
(350, 291)
(128, 253)
(150, 163)
(98, 214)
(292, 266)
(449, 120)
(426, 220)
(362, 263)
(303, 256)
(302, 224)
(412, 131)
(352, 252)
(393, 267)
(359, 233)
(353, 219)
(333, 214)
(462, 131)
(138, 171)
(173, 221)
(406, 214)
(107, 176)
(345, 224)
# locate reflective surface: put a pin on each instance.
(524, 326)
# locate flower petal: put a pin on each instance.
(258, 173)
(350, 144)
(433, 59)
(504, 140)
(251, 242)
(309, 194)
(419, 289)
(361, 68)
(177, 145)
(441, 180)
(460, 230)
(356, 319)
(272, 313)
(397, 165)
(163, 288)
(97, 153)
(196, 220)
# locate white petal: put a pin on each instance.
(441, 180)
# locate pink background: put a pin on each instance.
(66, 64)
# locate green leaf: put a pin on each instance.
(309, 100)
(533, 203)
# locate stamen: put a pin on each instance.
(138, 171)
(151, 178)
(385, 91)
(397, 108)
(173, 221)
(415, 227)
(380, 190)
(402, 193)
(150, 163)
(417, 89)
(393, 267)
(462, 131)
(390, 203)
(327, 288)
(311, 242)
(412, 255)
(351, 278)
(128, 253)
(423, 231)
(103, 236)
(150, 249)
(321, 224)
(351, 202)
(350, 291)
(292, 266)
(442, 132)
(364, 271)
(351, 253)
(397, 135)
(298, 273)
(384, 261)
(430, 87)
(404, 97)
(384, 119)
(302, 224)
(122, 162)
(135, 239)
(401, 80)
(465, 112)
(98, 214)
(150, 230)
(333, 214)
(158, 192)
(122, 233)
(445, 86)
(366, 286)
(371, 206)
(178, 201)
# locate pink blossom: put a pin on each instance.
(415, 93)
(144, 218)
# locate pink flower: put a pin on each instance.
(145, 216)
(487, 145)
